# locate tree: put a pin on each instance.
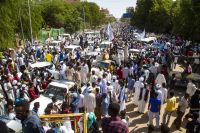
(61, 14)
(181, 17)
(7, 23)
(93, 16)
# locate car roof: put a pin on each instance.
(62, 84)
(106, 42)
(15, 125)
(72, 46)
(92, 53)
(55, 41)
(105, 61)
(65, 34)
(134, 50)
(40, 64)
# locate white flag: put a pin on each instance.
(143, 34)
(110, 33)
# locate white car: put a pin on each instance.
(101, 64)
(55, 44)
(71, 48)
(65, 35)
(14, 126)
(104, 45)
(56, 88)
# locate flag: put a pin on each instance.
(142, 35)
(110, 33)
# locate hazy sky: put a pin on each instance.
(116, 7)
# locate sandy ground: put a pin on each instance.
(138, 122)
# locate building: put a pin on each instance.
(127, 16)
(105, 11)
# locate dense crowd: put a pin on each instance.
(141, 78)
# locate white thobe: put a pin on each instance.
(137, 87)
(160, 79)
(93, 78)
(153, 69)
(9, 90)
(109, 77)
(191, 89)
(160, 96)
(2, 107)
(125, 72)
(122, 99)
(90, 102)
(142, 103)
(164, 94)
(146, 72)
(84, 71)
(116, 87)
(62, 71)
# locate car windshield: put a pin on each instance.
(103, 45)
(53, 44)
(102, 64)
(55, 91)
(69, 50)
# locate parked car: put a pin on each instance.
(56, 88)
(55, 44)
(14, 126)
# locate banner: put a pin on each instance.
(110, 33)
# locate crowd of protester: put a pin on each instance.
(142, 79)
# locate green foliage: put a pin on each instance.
(45, 14)
(7, 23)
(166, 16)
(93, 16)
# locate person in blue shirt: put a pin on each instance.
(130, 86)
(194, 125)
(154, 109)
(78, 55)
(104, 104)
(30, 121)
(61, 57)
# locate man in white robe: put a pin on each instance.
(160, 93)
(160, 79)
(191, 88)
(143, 100)
(138, 84)
(62, 70)
(2, 105)
(9, 90)
(84, 71)
(122, 98)
(90, 101)
(115, 84)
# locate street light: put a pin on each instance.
(84, 13)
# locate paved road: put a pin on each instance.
(138, 122)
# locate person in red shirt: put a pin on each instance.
(44, 84)
(15, 76)
(32, 93)
(119, 73)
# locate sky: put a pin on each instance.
(116, 7)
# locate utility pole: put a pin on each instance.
(20, 19)
(84, 15)
(29, 12)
